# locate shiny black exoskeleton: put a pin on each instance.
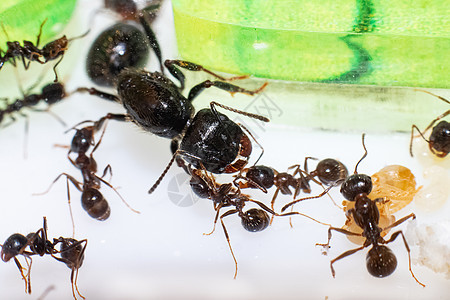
(51, 94)
(439, 140)
(124, 44)
(329, 171)
(37, 243)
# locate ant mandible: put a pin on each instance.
(439, 141)
(31, 52)
(71, 252)
(380, 260)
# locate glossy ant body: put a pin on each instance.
(51, 94)
(29, 52)
(71, 253)
(92, 199)
(380, 260)
(123, 45)
(439, 141)
(156, 104)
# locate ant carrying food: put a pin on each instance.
(123, 45)
(156, 104)
(31, 52)
(439, 140)
(225, 195)
(380, 260)
(92, 199)
(71, 253)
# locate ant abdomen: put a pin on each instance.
(261, 175)
(95, 204)
(53, 93)
(356, 184)
(118, 47)
(71, 251)
(255, 220)
(330, 171)
(12, 246)
(381, 261)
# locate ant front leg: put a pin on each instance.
(398, 222)
(230, 212)
(151, 36)
(345, 254)
(98, 93)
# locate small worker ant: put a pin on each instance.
(51, 94)
(71, 253)
(92, 199)
(380, 260)
(31, 52)
(123, 45)
(225, 195)
(439, 141)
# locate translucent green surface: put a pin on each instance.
(393, 43)
(21, 19)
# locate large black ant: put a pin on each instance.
(156, 104)
(123, 45)
(225, 195)
(31, 52)
(36, 243)
(380, 260)
(92, 199)
(439, 141)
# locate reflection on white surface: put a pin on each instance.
(162, 253)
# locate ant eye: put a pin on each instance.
(255, 220)
(381, 261)
(356, 184)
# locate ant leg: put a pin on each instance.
(272, 203)
(19, 266)
(95, 92)
(54, 68)
(412, 136)
(117, 193)
(151, 37)
(410, 216)
(230, 212)
(346, 232)
(215, 220)
(345, 254)
(391, 239)
(231, 88)
(102, 122)
(40, 32)
(307, 198)
(297, 213)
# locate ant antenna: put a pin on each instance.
(365, 153)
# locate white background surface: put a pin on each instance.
(162, 253)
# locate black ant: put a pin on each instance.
(439, 141)
(156, 104)
(123, 45)
(71, 253)
(380, 260)
(31, 52)
(92, 199)
(204, 185)
(51, 94)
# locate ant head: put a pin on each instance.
(356, 184)
(82, 140)
(199, 185)
(255, 220)
(53, 92)
(440, 139)
(381, 261)
(95, 204)
(261, 175)
(12, 246)
(55, 49)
